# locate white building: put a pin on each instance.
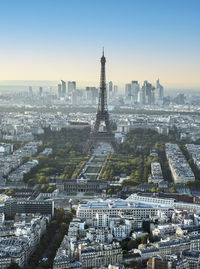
(156, 173)
(116, 207)
(5, 149)
(146, 199)
(180, 169)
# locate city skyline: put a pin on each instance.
(143, 40)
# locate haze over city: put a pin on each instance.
(99, 134)
(53, 40)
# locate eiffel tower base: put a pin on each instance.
(97, 137)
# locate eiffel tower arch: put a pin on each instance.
(102, 115)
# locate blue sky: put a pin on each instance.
(63, 39)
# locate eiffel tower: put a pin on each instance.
(102, 115)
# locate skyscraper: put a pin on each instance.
(159, 90)
(142, 96)
(59, 90)
(30, 91)
(71, 87)
(40, 91)
(92, 95)
(135, 87)
(146, 94)
(115, 90)
(110, 90)
(128, 93)
(131, 92)
(63, 88)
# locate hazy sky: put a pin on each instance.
(63, 39)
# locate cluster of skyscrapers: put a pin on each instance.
(64, 91)
(112, 90)
(89, 95)
(30, 91)
(145, 95)
(134, 94)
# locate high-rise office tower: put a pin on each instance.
(71, 87)
(131, 92)
(59, 90)
(142, 96)
(92, 95)
(30, 91)
(135, 87)
(40, 91)
(180, 99)
(148, 89)
(153, 95)
(74, 98)
(115, 90)
(128, 92)
(63, 88)
(159, 91)
(110, 90)
(77, 97)
(146, 94)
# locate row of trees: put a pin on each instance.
(51, 241)
(68, 156)
(128, 243)
(133, 157)
(120, 110)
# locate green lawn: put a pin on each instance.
(93, 177)
(92, 169)
(72, 194)
(99, 159)
(88, 194)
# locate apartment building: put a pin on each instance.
(180, 169)
(114, 207)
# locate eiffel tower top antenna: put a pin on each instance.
(102, 105)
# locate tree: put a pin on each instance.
(8, 192)
(73, 212)
(50, 189)
(55, 233)
(124, 243)
(144, 239)
(160, 146)
(172, 190)
(14, 265)
(43, 188)
(41, 179)
(153, 189)
(146, 173)
(132, 244)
